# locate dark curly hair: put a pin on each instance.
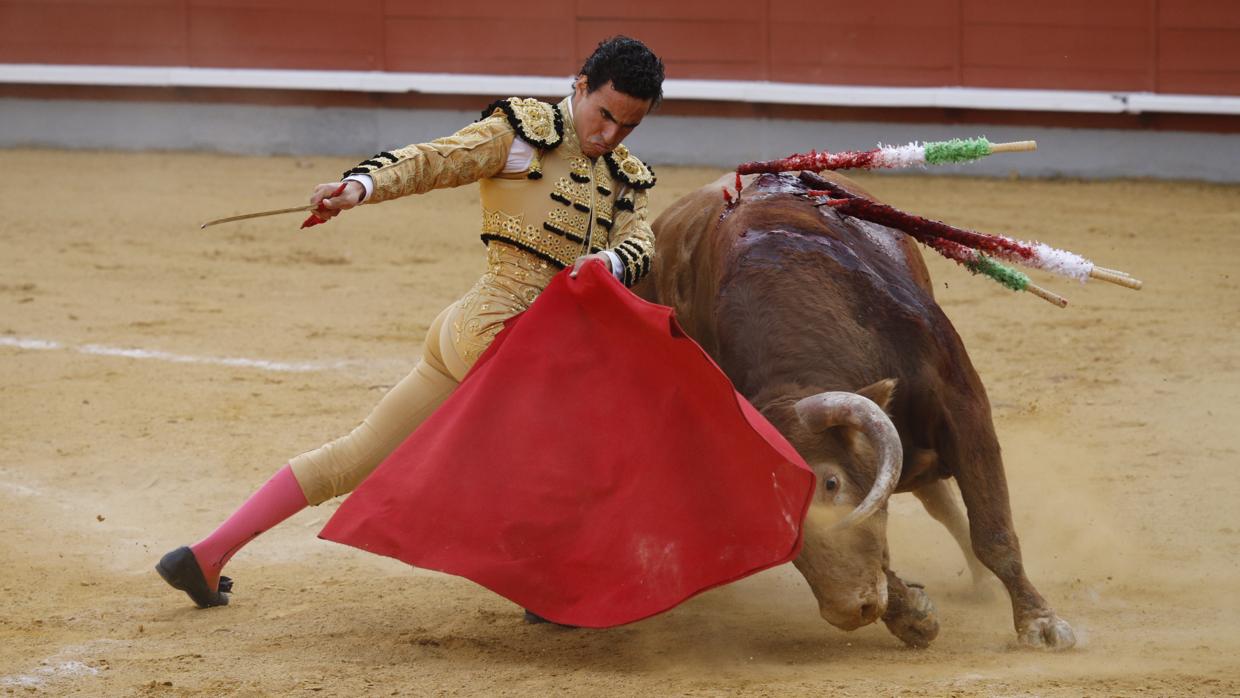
(629, 65)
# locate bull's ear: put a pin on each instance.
(880, 393)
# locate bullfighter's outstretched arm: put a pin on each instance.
(474, 153)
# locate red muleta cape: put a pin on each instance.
(595, 467)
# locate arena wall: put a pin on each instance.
(1167, 46)
(1159, 79)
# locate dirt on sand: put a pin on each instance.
(153, 374)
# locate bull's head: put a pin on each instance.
(855, 452)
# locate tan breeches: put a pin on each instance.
(339, 466)
(454, 342)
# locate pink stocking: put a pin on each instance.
(278, 499)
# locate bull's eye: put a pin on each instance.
(832, 484)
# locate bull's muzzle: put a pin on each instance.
(856, 610)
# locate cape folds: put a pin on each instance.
(595, 467)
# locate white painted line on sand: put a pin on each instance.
(17, 490)
(59, 670)
(239, 362)
(62, 666)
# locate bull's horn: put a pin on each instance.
(825, 410)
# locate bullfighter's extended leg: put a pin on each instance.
(195, 570)
(338, 467)
(937, 498)
(331, 470)
(974, 458)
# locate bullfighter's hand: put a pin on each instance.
(329, 206)
(581, 261)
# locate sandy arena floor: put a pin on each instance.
(1118, 417)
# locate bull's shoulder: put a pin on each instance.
(688, 221)
(687, 259)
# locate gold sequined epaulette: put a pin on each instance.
(627, 168)
(537, 122)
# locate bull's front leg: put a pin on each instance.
(911, 615)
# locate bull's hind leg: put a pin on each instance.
(939, 502)
(973, 455)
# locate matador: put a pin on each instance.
(557, 188)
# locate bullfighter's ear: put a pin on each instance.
(880, 393)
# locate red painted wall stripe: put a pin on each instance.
(1189, 46)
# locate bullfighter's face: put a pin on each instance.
(605, 117)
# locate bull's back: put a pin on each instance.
(780, 291)
(808, 296)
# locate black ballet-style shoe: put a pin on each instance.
(180, 569)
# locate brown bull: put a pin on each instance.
(803, 309)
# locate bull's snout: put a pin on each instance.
(861, 609)
(844, 568)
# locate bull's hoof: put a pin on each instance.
(913, 618)
(1047, 633)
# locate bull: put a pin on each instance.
(828, 325)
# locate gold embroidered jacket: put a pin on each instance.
(563, 206)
